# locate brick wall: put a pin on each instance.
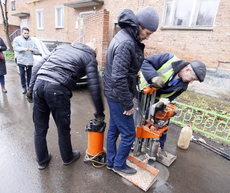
(208, 46)
(96, 31)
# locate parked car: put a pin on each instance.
(45, 46)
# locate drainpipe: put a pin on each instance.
(66, 21)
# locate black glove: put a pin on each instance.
(29, 96)
(100, 117)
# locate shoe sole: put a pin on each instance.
(121, 172)
(109, 168)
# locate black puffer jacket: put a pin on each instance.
(2, 62)
(123, 61)
(67, 64)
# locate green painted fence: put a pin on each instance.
(9, 55)
(209, 123)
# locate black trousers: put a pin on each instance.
(51, 98)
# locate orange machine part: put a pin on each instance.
(95, 143)
(149, 131)
(168, 112)
(149, 90)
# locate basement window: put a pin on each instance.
(190, 14)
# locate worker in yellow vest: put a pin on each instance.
(171, 76)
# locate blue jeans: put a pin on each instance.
(2, 79)
(51, 98)
(25, 75)
(119, 124)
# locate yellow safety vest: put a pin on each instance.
(165, 71)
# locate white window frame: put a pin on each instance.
(39, 19)
(24, 23)
(13, 6)
(82, 14)
(81, 24)
(193, 17)
(60, 23)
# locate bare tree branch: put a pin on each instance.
(4, 11)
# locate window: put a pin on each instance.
(13, 7)
(59, 17)
(190, 13)
(39, 18)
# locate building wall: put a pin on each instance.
(96, 31)
(208, 46)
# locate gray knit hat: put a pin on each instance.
(148, 18)
(199, 69)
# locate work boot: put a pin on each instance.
(76, 155)
(162, 152)
(42, 167)
(127, 170)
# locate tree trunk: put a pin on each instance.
(6, 24)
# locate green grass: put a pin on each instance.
(205, 102)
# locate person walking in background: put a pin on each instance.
(2, 66)
(25, 48)
(52, 80)
(123, 61)
(171, 76)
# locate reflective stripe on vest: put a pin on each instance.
(166, 70)
(166, 95)
(143, 83)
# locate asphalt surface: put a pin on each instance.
(195, 170)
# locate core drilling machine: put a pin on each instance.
(151, 121)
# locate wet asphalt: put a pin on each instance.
(195, 170)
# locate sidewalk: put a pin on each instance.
(195, 170)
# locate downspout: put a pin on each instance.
(33, 25)
(66, 21)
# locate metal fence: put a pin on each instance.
(9, 55)
(209, 123)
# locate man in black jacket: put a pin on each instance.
(123, 61)
(52, 81)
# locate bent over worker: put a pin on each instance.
(172, 76)
(52, 81)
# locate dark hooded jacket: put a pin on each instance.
(2, 62)
(123, 61)
(153, 63)
(66, 65)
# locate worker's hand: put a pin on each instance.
(129, 112)
(29, 96)
(157, 82)
(99, 116)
